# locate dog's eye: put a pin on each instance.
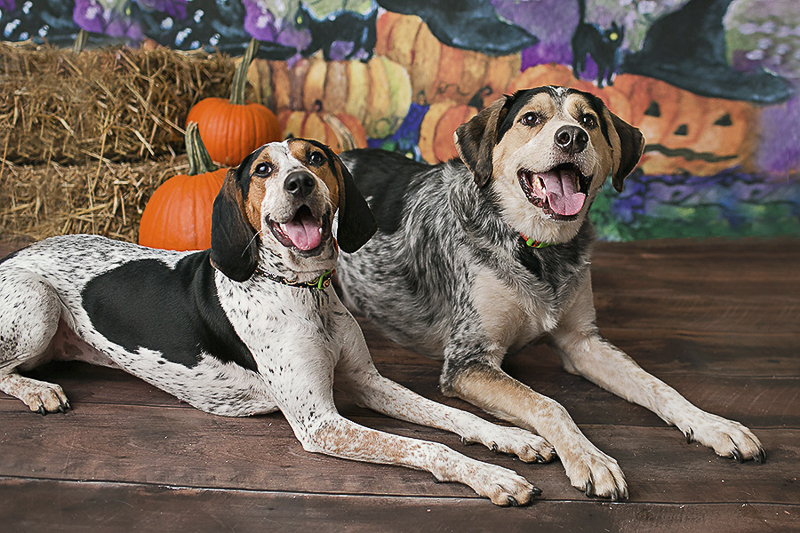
(588, 121)
(264, 169)
(531, 119)
(316, 159)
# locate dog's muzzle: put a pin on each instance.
(304, 231)
(559, 192)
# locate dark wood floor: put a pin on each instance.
(718, 320)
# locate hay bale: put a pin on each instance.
(112, 103)
(103, 198)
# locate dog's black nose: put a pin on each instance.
(299, 184)
(571, 139)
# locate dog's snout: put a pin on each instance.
(299, 184)
(571, 139)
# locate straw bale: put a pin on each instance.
(113, 103)
(103, 197)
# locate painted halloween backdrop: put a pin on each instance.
(713, 84)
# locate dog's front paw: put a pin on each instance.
(596, 474)
(503, 486)
(728, 438)
(529, 447)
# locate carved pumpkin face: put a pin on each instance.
(686, 132)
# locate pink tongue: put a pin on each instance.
(303, 231)
(562, 193)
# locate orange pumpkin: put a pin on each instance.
(232, 129)
(438, 126)
(341, 132)
(178, 214)
(440, 73)
(686, 132)
(376, 93)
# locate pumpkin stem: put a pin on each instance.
(240, 75)
(199, 160)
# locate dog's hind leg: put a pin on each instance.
(29, 316)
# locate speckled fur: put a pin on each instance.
(449, 275)
(297, 340)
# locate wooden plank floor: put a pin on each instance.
(718, 320)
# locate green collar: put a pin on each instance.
(322, 282)
(529, 241)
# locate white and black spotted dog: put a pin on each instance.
(250, 326)
(478, 257)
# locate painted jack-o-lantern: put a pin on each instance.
(686, 132)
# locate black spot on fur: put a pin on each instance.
(145, 304)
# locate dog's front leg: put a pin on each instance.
(357, 375)
(484, 384)
(304, 393)
(340, 437)
(583, 351)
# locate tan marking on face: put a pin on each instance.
(302, 150)
(519, 134)
(258, 186)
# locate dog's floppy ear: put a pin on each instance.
(234, 247)
(475, 140)
(631, 143)
(356, 222)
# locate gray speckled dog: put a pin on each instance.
(477, 257)
(250, 326)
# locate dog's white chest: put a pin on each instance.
(508, 319)
(281, 322)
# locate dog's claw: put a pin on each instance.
(536, 492)
(494, 447)
(42, 411)
(466, 442)
(589, 488)
(736, 453)
(689, 436)
(761, 456)
(539, 458)
(512, 501)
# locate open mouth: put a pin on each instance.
(560, 192)
(303, 232)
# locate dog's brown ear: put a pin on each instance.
(475, 140)
(234, 246)
(631, 143)
(356, 221)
